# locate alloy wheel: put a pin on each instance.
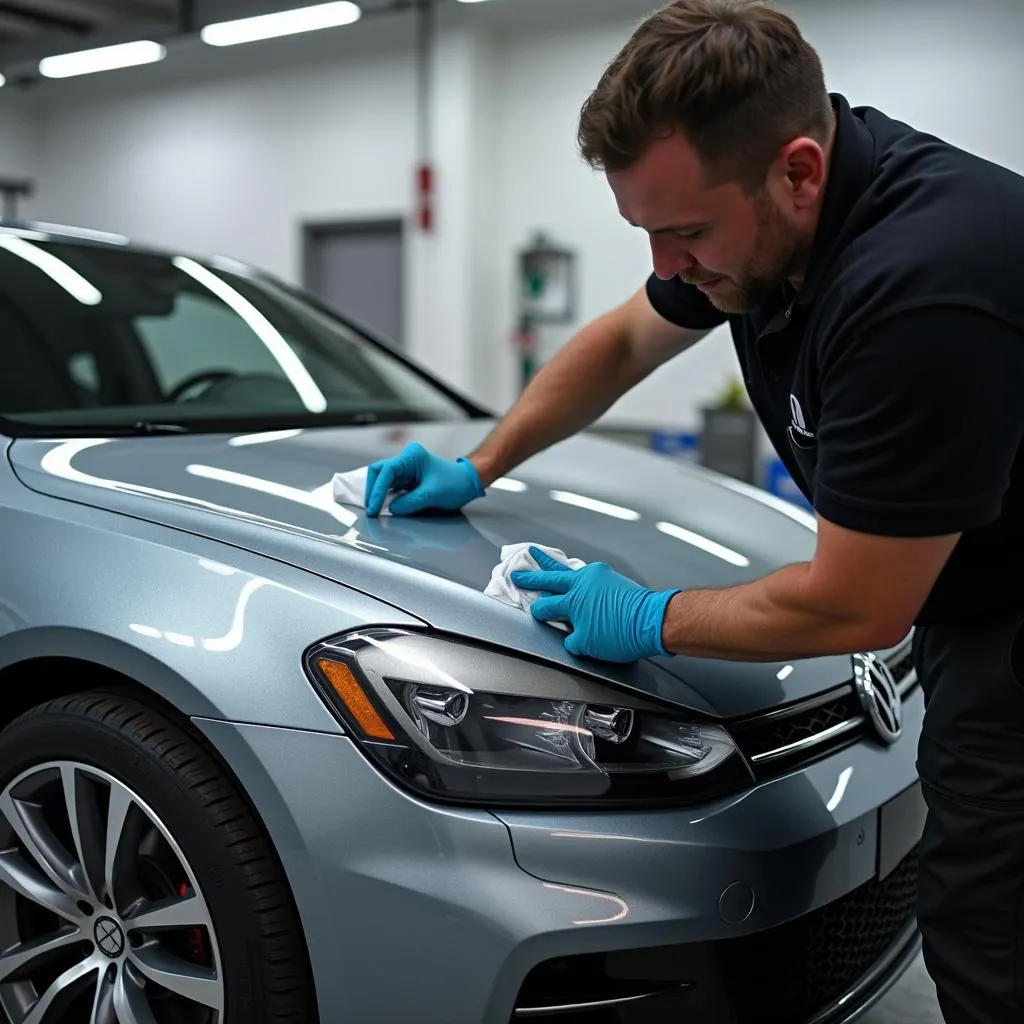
(102, 920)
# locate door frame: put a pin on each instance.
(314, 229)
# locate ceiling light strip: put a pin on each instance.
(281, 23)
(704, 544)
(105, 58)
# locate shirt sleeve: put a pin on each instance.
(683, 304)
(921, 421)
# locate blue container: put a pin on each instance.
(676, 443)
(779, 482)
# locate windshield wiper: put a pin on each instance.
(15, 427)
(141, 428)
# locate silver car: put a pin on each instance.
(265, 760)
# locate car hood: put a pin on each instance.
(659, 521)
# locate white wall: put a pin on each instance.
(229, 151)
(543, 183)
(236, 163)
(948, 68)
(19, 138)
(234, 166)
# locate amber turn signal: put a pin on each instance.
(347, 687)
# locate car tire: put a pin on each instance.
(159, 823)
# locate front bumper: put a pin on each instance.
(451, 916)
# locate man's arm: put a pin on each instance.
(900, 478)
(598, 366)
(861, 592)
(587, 376)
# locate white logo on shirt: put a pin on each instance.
(798, 413)
(799, 422)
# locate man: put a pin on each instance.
(873, 280)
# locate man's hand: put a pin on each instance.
(860, 593)
(431, 483)
(613, 618)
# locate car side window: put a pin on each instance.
(201, 335)
(31, 377)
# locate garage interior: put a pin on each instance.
(413, 167)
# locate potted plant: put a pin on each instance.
(729, 437)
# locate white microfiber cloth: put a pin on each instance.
(517, 558)
(350, 489)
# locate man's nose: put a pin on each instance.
(670, 257)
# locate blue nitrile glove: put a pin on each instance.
(431, 482)
(613, 618)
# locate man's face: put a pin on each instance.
(736, 248)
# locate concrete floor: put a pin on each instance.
(912, 1001)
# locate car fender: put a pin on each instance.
(216, 630)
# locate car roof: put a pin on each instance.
(109, 240)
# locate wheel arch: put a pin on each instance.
(39, 678)
(45, 662)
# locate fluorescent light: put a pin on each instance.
(697, 541)
(840, 791)
(263, 438)
(106, 58)
(34, 236)
(787, 508)
(89, 233)
(291, 366)
(593, 505)
(56, 269)
(283, 23)
(3, 80)
(504, 483)
(320, 499)
(181, 639)
(218, 567)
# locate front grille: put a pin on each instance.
(901, 664)
(638, 986)
(767, 735)
(791, 972)
(798, 734)
(789, 737)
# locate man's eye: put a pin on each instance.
(691, 236)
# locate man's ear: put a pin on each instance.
(799, 172)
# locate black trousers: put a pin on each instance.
(971, 763)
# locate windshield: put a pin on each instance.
(101, 338)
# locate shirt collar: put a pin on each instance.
(850, 174)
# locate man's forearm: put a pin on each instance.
(571, 392)
(776, 618)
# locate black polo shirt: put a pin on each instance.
(892, 383)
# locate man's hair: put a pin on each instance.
(736, 77)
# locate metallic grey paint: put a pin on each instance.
(273, 497)
(827, 813)
(376, 900)
(204, 566)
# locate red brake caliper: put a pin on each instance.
(196, 941)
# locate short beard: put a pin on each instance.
(778, 255)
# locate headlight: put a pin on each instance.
(465, 724)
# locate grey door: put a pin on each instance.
(357, 269)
